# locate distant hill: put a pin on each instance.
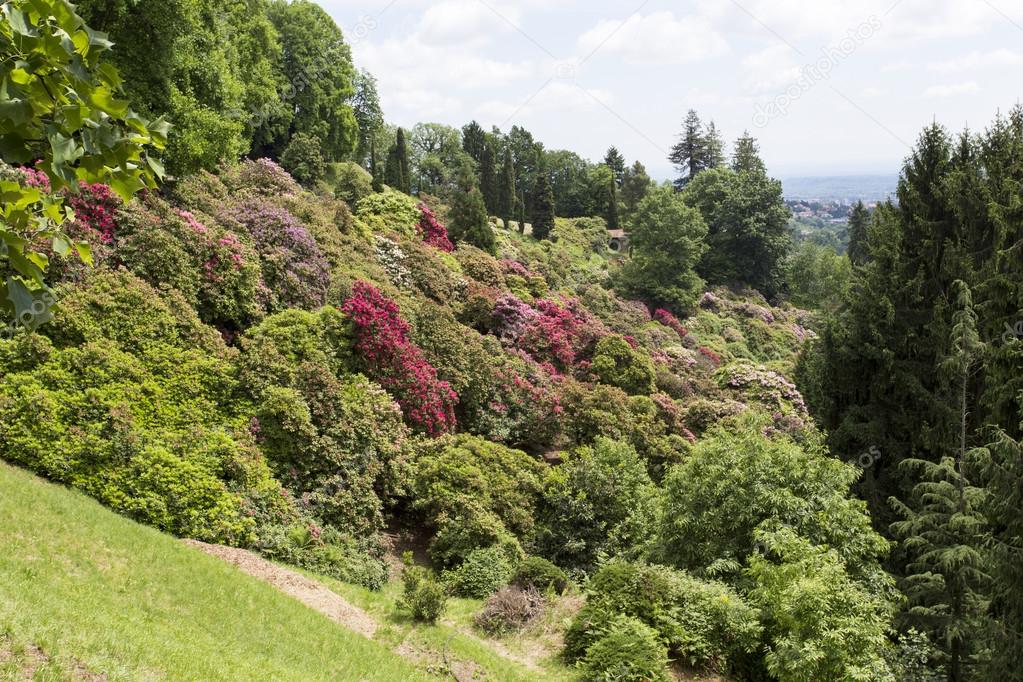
(840, 188)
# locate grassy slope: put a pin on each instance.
(96, 591)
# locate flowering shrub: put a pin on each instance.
(524, 406)
(382, 340)
(390, 211)
(432, 232)
(671, 322)
(262, 176)
(393, 258)
(511, 317)
(295, 272)
(713, 357)
(764, 385)
(562, 333)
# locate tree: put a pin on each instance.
(435, 156)
(59, 105)
(948, 570)
(520, 203)
(506, 195)
(859, 220)
(378, 183)
(303, 159)
(488, 178)
(527, 155)
(699, 148)
(468, 220)
(474, 139)
(616, 162)
(747, 224)
(746, 157)
(635, 186)
(667, 241)
(612, 206)
(396, 173)
(543, 208)
(317, 64)
(368, 114)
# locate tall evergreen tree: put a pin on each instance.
(468, 220)
(488, 179)
(474, 139)
(947, 572)
(506, 195)
(746, 156)
(689, 152)
(714, 147)
(613, 222)
(397, 170)
(520, 204)
(543, 208)
(616, 162)
(859, 220)
(378, 184)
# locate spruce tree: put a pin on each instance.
(468, 221)
(473, 140)
(746, 156)
(947, 574)
(713, 148)
(689, 152)
(859, 220)
(543, 207)
(506, 196)
(616, 162)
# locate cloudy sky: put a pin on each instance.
(829, 86)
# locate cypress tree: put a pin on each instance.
(474, 140)
(506, 196)
(401, 151)
(543, 208)
(612, 206)
(378, 185)
(488, 179)
(520, 202)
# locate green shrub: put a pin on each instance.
(599, 502)
(469, 529)
(423, 596)
(480, 265)
(617, 363)
(324, 551)
(456, 472)
(389, 211)
(351, 182)
(303, 158)
(537, 572)
(483, 572)
(704, 623)
(628, 650)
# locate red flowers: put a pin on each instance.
(432, 231)
(396, 363)
(714, 358)
(671, 322)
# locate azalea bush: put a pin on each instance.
(387, 354)
(432, 231)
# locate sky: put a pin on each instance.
(829, 87)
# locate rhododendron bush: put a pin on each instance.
(391, 359)
(432, 231)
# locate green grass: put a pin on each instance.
(455, 637)
(95, 591)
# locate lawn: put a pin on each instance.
(86, 592)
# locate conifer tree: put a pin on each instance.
(506, 196)
(378, 184)
(746, 156)
(396, 174)
(635, 186)
(616, 162)
(468, 219)
(543, 207)
(947, 572)
(612, 206)
(520, 203)
(474, 140)
(859, 220)
(488, 178)
(713, 148)
(689, 152)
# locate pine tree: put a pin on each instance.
(543, 208)
(616, 162)
(859, 220)
(746, 156)
(689, 152)
(488, 178)
(468, 220)
(947, 574)
(506, 196)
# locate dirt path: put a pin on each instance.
(295, 585)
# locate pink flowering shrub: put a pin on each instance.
(713, 357)
(432, 231)
(262, 176)
(562, 333)
(510, 318)
(296, 274)
(392, 360)
(524, 408)
(671, 322)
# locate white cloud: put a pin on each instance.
(465, 22)
(871, 91)
(657, 38)
(556, 97)
(952, 90)
(978, 60)
(770, 70)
